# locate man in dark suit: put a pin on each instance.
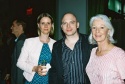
(70, 55)
(18, 28)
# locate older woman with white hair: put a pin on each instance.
(107, 61)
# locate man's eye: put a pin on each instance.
(63, 23)
(72, 22)
(42, 23)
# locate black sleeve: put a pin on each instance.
(52, 71)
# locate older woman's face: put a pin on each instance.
(99, 30)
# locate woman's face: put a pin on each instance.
(45, 25)
(99, 30)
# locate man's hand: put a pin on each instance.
(7, 77)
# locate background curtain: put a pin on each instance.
(95, 7)
(119, 35)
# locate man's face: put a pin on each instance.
(69, 24)
(15, 28)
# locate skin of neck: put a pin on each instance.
(103, 45)
(44, 38)
(73, 38)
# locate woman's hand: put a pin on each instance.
(41, 70)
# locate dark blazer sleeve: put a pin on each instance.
(18, 48)
(20, 77)
(52, 71)
(19, 45)
(56, 71)
(86, 51)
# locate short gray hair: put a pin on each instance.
(107, 23)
